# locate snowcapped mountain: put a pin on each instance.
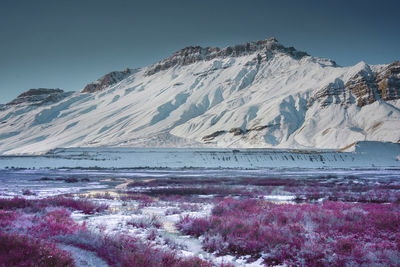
(259, 94)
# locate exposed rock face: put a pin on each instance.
(107, 80)
(388, 82)
(212, 136)
(39, 96)
(192, 54)
(236, 131)
(363, 88)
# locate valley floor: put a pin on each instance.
(201, 217)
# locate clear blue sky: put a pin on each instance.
(67, 44)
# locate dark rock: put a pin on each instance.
(261, 127)
(213, 135)
(364, 88)
(27, 192)
(45, 179)
(236, 131)
(39, 96)
(107, 80)
(71, 180)
(40, 91)
(192, 54)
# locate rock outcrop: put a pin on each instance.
(107, 80)
(39, 96)
(363, 88)
(192, 54)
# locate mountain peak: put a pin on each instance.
(38, 96)
(107, 80)
(40, 91)
(192, 54)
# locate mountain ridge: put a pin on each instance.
(258, 94)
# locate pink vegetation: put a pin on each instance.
(19, 250)
(83, 205)
(31, 229)
(331, 233)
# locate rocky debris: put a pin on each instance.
(388, 82)
(107, 80)
(212, 136)
(39, 96)
(259, 128)
(364, 88)
(192, 54)
(236, 131)
(262, 127)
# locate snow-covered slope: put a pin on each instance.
(259, 94)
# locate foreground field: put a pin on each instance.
(184, 218)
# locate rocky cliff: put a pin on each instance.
(39, 96)
(107, 80)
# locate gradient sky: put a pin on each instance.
(67, 44)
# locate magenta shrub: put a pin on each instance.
(36, 205)
(7, 217)
(30, 228)
(15, 203)
(54, 223)
(148, 222)
(193, 226)
(83, 205)
(172, 211)
(27, 192)
(182, 207)
(142, 198)
(196, 190)
(305, 190)
(347, 193)
(19, 250)
(329, 187)
(331, 233)
(124, 250)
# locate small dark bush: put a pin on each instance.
(46, 179)
(71, 180)
(27, 192)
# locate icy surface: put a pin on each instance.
(364, 155)
(84, 258)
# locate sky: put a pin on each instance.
(68, 44)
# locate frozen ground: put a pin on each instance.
(84, 258)
(50, 182)
(360, 155)
(148, 203)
